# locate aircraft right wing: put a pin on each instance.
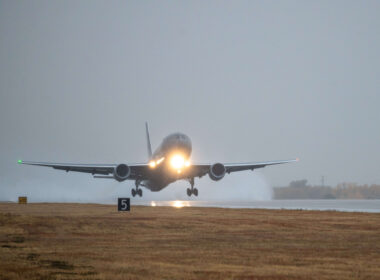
(137, 171)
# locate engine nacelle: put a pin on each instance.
(217, 171)
(121, 172)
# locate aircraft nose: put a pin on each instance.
(184, 143)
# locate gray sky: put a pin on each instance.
(246, 80)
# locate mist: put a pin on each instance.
(245, 80)
(250, 186)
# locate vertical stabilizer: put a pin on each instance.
(148, 140)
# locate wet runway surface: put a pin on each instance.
(372, 206)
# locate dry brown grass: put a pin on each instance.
(88, 241)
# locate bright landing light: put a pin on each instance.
(178, 162)
(153, 163)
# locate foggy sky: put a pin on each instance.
(246, 80)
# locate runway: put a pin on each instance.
(357, 205)
(92, 241)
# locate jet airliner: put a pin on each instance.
(169, 162)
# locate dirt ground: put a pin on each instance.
(91, 241)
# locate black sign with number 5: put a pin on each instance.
(123, 204)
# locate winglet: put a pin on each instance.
(149, 146)
(19, 161)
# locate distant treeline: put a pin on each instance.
(301, 190)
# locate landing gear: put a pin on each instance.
(195, 191)
(192, 190)
(137, 190)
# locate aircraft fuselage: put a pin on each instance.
(163, 173)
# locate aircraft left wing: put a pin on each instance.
(199, 170)
(234, 167)
(138, 171)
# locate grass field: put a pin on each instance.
(89, 241)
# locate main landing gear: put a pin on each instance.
(137, 190)
(192, 190)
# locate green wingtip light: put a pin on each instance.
(19, 161)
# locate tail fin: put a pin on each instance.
(148, 140)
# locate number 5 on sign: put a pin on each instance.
(123, 204)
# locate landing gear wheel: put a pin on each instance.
(191, 190)
(133, 192)
(139, 192)
(195, 191)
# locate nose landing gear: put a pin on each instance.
(192, 190)
(137, 190)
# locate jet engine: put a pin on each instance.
(121, 172)
(217, 171)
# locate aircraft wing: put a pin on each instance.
(98, 170)
(234, 167)
(199, 170)
(141, 171)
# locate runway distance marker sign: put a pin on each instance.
(123, 204)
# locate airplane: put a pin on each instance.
(169, 162)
